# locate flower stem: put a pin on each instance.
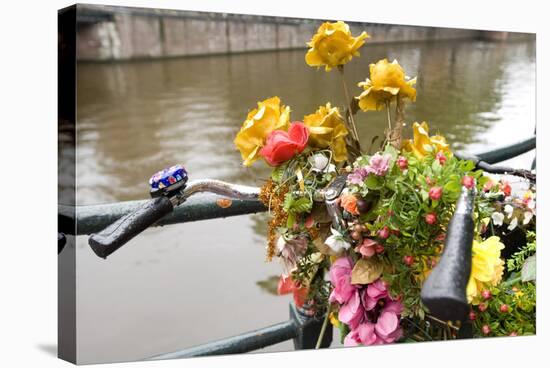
(389, 115)
(323, 329)
(348, 102)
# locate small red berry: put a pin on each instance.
(486, 294)
(430, 218)
(513, 333)
(472, 315)
(435, 193)
(402, 163)
(384, 232)
(482, 307)
(408, 260)
(486, 329)
(504, 308)
(440, 156)
(468, 181)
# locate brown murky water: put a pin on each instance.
(183, 285)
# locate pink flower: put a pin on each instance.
(385, 330)
(357, 176)
(372, 316)
(402, 163)
(387, 327)
(352, 312)
(435, 193)
(340, 277)
(378, 164)
(375, 291)
(368, 247)
(468, 181)
(281, 146)
(440, 156)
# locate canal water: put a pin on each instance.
(183, 285)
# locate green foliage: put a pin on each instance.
(515, 263)
(520, 316)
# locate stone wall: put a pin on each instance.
(120, 33)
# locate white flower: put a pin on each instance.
(513, 224)
(498, 218)
(527, 216)
(531, 204)
(318, 162)
(336, 241)
(509, 210)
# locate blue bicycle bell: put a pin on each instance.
(168, 181)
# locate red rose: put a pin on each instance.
(281, 146)
(435, 193)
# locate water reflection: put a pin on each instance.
(135, 118)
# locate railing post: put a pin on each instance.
(309, 329)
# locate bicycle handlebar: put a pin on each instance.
(444, 291)
(127, 227)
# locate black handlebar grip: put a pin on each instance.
(124, 229)
(444, 291)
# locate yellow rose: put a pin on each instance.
(269, 116)
(385, 83)
(333, 45)
(327, 130)
(487, 266)
(422, 143)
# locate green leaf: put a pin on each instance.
(467, 165)
(373, 182)
(529, 270)
(452, 186)
(296, 205)
(344, 330)
(290, 220)
(392, 151)
(436, 167)
(301, 205)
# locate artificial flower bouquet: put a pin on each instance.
(364, 271)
